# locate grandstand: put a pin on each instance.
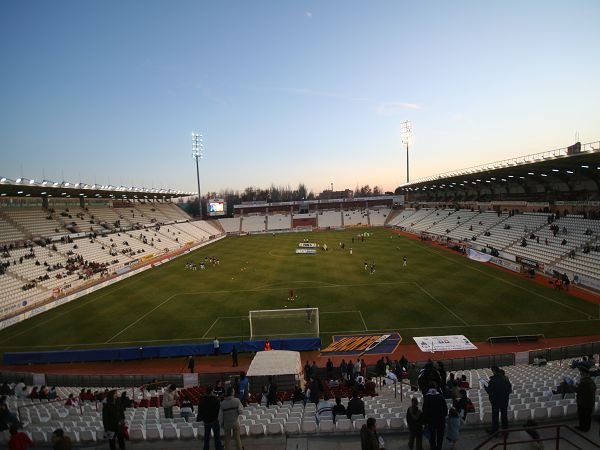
(532, 398)
(70, 245)
(50, 251)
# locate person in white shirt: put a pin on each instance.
(324, 410)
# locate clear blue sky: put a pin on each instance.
(289, 91)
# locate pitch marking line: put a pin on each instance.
(141, 318)
(327, 286)
(363, 321)
(440, 303)
(290, 283)
(504, 281)
(397, 329)
(77, 305)
(211, 327)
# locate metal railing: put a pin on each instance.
(557, 438)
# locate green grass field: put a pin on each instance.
(438, 293)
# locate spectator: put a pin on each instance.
(186, 408)
(208, 413)
(324, 409)
(229, 413)
(463, 383)
(338, 408)
(369, 439)
(5, 389)
(7, 418)
(169, 399)
(329, 368)
(219, 390)
(498, 389)
(586, 397)
(435, 411)
(244, 389)
(60, 441)
(355, 406)
(298, 396)
(18, 440)
(271, 392)
(112, 422)
(71, 401)
(452, 427)
(314, 390)
(414, 419)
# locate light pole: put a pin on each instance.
(406, 132)
(197, 148)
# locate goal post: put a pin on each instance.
(289, 322)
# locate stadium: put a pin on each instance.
(117, 288)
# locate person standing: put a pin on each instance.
(329, 368)
(231, 408)
(435, 411)
(187, 408)
(191, 364)
(60, 441)
(111, 421)
(586, 395)
(216, 346)
(452, 427)
(404, 262)
(271, 392)
(499, 389)
(414, 419)
(169, 400)
(18, 440)
(343, 369)
(369, 439)
(234, 356)
(244, 388)
(208, 413)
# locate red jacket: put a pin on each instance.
(20, 441)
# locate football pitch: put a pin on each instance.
(437, 293)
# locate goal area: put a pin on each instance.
(289, 322)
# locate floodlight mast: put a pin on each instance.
(406, 132)
(197, 149)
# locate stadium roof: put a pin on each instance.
(566, 165)
(25, 187)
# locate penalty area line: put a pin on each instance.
(142, 317)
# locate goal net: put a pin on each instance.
(290, 322)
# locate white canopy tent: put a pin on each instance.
(283, 364)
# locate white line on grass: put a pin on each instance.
(290, 283)
(141, 318)
(78, 305)
(363, 321)
(211, 327)
(502, 280)
(397, 329)
(440, 303)
(328, 286)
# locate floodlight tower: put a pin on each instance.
(406, 133)
(197, 149)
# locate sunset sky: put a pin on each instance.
(289, 91)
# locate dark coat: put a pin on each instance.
(355, 406)
(499, 389)
(111, 416)
(435, 409)
(415, 420)
(586, 393)
(208, 409)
